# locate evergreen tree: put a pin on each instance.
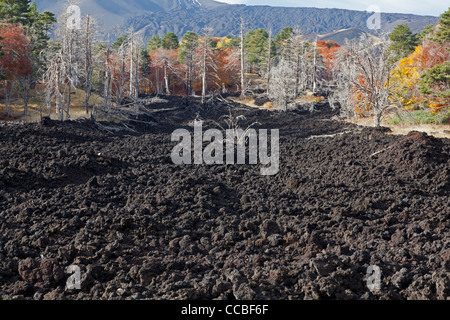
(435, 82)
(283, 35)
(427, 32)
(233, 42)
(154, 43)
(443, 32)
(15, 11)
(38, 27)
(403, 43)
(189, 44)
(120, 41)
(255, 47)
(145, 62)
(171, 41)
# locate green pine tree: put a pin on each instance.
(170, 41)
(427, 32)
(443, 32)
(189, 43)
(283, 35)
(254, 45)
(38, 27)
(120, 40)
(145, 62)
(154, 43)
(403, 43)
(435, 81)
(15, 11)
(235, 42)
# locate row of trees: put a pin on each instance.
(403, 69)
(23, 39)
(203, 63)
(83, 58)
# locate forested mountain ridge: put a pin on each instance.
(179, 16)
(225, 21)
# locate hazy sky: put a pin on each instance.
(422, 7)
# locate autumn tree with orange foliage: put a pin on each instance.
(328, 49)
(363, 78)
(164, 63)
(228, 68)
(15, 62)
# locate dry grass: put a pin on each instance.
(439, 131)
(309, 98)
(250, 102)
(77, 109)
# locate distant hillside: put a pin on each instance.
(340, 36)
(114, 13)
(225, 20)
(152, 17)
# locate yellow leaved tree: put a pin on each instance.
(405, 78)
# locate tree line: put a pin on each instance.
(363, 77)
(402, 71)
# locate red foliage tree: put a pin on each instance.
(327, 49)
(16, 61)
(164, 68)
(228, 68)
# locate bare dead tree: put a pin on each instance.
(295, 55)
(205, 62)
(88, 35)
(164, 59)
(362, 76)
(315, 67)
(119, 71)
(54, 80)
(72, 60)
(108, 78)
(269, 58)
(242, 54)
(62, 69)
(282, 84)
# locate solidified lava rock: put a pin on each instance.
(46, 270)
(140, 227)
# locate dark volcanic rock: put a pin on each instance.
(140, 227)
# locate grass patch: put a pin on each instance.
(77, 107)
(420, 117)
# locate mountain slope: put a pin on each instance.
(226, 20)
(113, 13)
(150, 17)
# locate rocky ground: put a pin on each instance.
(140, 227)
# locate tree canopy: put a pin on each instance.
(443, 32)
(170, 41)
(154, 43)
(403, 42)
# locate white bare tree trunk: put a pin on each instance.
(315, 67)
(243, 87)
(204, 65)
(281, 89)
(88, 60)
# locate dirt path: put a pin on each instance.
(139, 226)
